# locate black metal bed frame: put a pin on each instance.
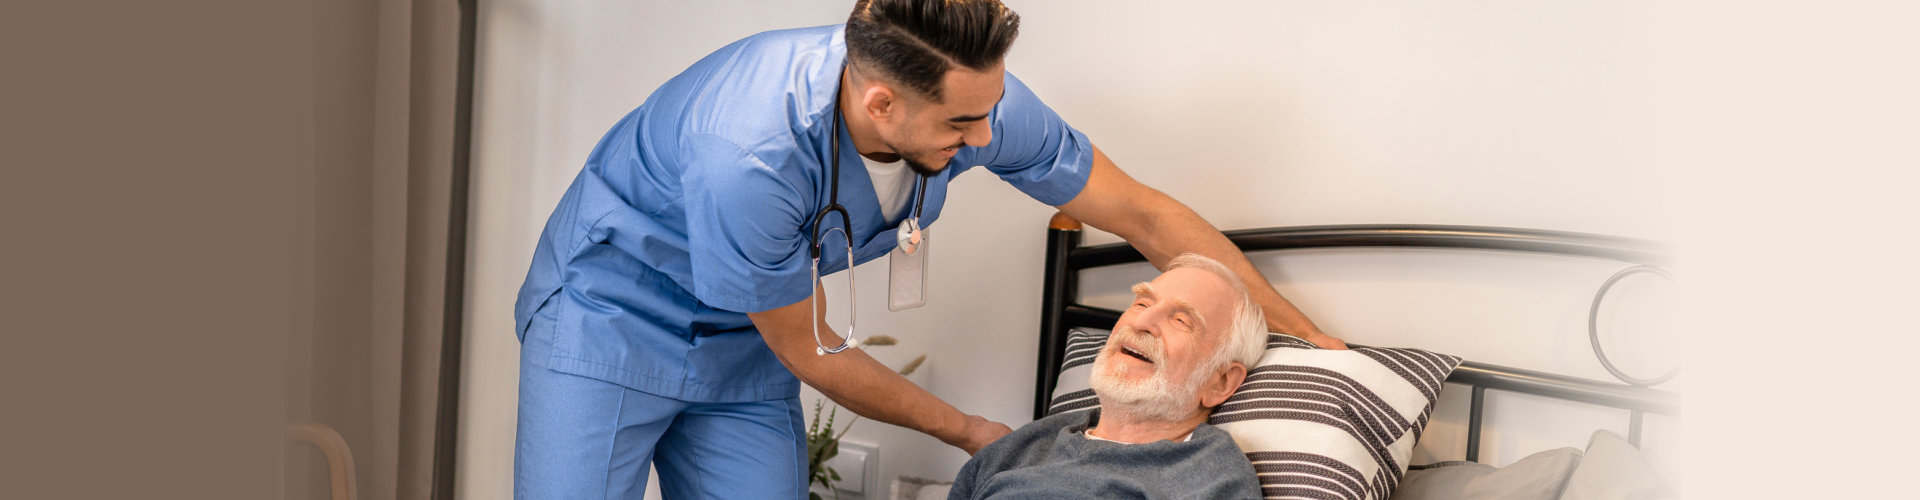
(1066, 258)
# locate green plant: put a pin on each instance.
(823, 443)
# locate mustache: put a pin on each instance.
(1145, 344)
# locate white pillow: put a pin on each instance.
(1539, 476)
(1614, 470)
(1314, 422)
(933, 492)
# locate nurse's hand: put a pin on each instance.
(979, 433)
(1325, 341)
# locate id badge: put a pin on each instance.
(907, 276)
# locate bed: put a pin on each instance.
(1382, 428)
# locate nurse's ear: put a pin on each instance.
(880, 103)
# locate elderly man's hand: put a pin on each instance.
(979, 433)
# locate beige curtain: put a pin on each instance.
(383, 217)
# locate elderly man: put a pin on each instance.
(1179, 351)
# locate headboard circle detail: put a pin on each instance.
(1593, 328)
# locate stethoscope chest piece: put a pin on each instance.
(908, 238)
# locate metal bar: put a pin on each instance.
(1088, 317)
(1565, 387)
(1473, 423)
(1058, 289)
(1633, 428)
(1470, 373)
(1416, 235)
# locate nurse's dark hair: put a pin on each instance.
(915, 42)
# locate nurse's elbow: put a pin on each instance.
(784, 330)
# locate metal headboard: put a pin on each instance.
(1066, 258)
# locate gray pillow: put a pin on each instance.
(1614, 470)
(1539, 476)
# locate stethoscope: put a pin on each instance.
(908, 238)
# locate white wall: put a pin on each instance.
(1504, 113)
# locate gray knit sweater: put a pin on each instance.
(1053, 458)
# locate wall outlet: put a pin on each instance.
(859, 468)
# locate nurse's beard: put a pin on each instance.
(921, 168)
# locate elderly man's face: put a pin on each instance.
(1155, 361)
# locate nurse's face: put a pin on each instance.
(927, 134)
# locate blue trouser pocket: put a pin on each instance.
(541, 314)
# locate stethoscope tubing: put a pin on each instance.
(847, 341)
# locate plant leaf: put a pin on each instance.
(912, 365)
(815, 427)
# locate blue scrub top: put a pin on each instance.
(696, 208)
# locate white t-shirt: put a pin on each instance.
(893, 182)
(1090, 435)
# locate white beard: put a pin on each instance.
(1156, 399)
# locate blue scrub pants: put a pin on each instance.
(581, 438)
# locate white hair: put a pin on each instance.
(1246, 334)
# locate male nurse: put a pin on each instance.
(667, 317)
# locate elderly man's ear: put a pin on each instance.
(1221, 386)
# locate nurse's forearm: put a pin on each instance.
(1176, 229)
(857, 382)
(1161, 228)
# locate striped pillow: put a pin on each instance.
(1316, 423)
